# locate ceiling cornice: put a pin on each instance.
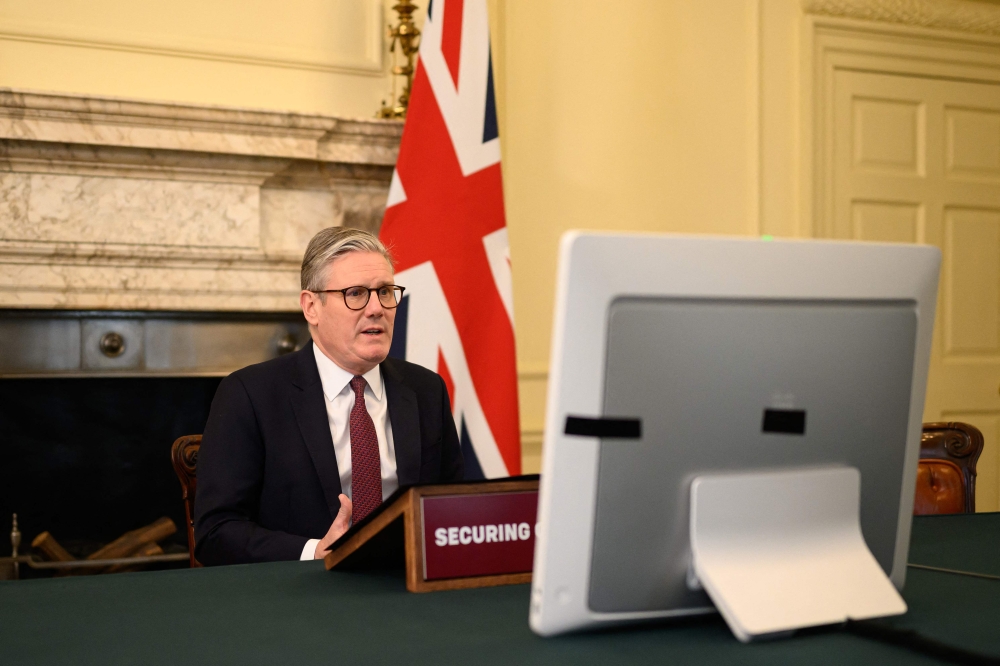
(972, 16)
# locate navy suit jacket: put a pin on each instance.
(267, 472)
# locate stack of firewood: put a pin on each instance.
(137, 543)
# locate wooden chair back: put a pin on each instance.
(184, 455)
(946, 473)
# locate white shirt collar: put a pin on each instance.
(335, 378)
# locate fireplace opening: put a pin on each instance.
(90, 404)
(88, 459)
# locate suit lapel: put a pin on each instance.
(405, 420)
(310, 412)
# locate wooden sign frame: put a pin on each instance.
(406, 506)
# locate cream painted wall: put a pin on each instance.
(654, 115)
(637, 116)
(313, 56)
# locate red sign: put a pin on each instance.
(479, 535)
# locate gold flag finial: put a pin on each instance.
(406, 34)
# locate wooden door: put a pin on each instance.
(917, 160)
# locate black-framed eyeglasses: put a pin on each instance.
(356, 298)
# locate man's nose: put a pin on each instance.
(374, 307)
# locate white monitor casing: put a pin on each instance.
(597, 268)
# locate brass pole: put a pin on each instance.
(35, 563)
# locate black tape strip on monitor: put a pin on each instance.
(784, 421)
(617, 428)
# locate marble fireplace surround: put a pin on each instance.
(127, 205)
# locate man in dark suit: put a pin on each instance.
(298, 447)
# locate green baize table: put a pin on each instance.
(297, 613)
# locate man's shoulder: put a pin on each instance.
(413, 375)
(273, 373)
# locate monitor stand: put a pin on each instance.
(778, 551)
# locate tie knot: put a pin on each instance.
(358, 384)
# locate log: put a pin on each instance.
(52, 549)
(131, 542)
(147, 549)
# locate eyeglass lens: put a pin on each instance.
(357, 297)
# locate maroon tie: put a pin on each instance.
(366, 467)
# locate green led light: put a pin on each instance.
(767, 237)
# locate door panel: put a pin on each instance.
(973, 143)
(886, 221)
(917, 160)
(888, 135)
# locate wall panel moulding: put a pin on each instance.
(118, 204)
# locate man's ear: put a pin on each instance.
(310, 307)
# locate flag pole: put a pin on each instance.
(407, 35)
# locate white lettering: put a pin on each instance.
(466, 534)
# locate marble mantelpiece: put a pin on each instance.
(118, 204)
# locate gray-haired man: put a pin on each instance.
(297, 447)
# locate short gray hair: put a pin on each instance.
(331, 243)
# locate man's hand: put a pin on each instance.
(340, 525)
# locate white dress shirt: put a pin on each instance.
(339, 403)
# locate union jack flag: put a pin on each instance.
(445, 223)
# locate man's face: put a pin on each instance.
(356, 340)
